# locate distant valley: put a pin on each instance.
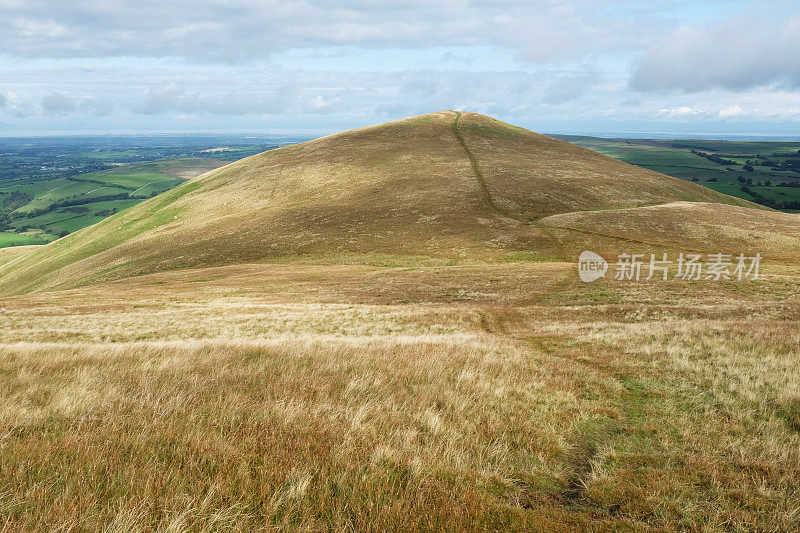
(764, 172)
(53, 186)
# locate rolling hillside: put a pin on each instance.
(441, 187)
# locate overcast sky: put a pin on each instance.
(316, 66)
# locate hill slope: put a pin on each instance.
(444, 186)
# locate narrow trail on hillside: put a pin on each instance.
(652, 245)
(479, 175)
(473, 161)
(547, 231)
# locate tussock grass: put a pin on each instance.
(229, 405)
(294, 433)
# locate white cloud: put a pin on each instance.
(33, 28)
(174, 98)
(242, 30)
(754, 50)
(98, 107)
(679, 112)
(549, 64)
(732, 111)
(320, 104)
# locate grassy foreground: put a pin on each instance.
(357, 398)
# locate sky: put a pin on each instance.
(658, 67)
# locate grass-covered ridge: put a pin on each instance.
(437, 187)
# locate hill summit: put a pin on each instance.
(449, 186)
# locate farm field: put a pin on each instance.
(777, 186)
(16, 239)
(71, 219)
(63, 205)
(55, 186)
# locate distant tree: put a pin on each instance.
(792, 204)
(16, 200)
(748, 168)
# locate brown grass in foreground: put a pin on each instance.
(237, 399)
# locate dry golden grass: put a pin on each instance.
(533, 176)
(687, 226)
(14, 253)
(315, 398)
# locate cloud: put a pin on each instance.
(3, 100)
(166, 98)
(57, 104)
(552, 65)
(98, 107)
(451, 58)
(242, 30)
(732, 111)
(567, 88)
(321, 105)
(679, 112)
(736, 54)
(175, 98)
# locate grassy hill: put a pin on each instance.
(441, 187)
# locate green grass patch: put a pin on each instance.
(8, 239)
